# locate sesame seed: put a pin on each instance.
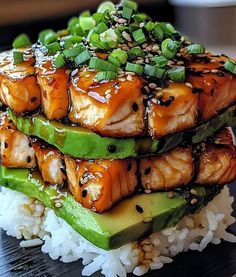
(147, 247)
(206, 71)
(147, 191)
(147, 219)
(142, 24)
(193, 201)
(152, 85)
(158, 88)
(122, 20)
(147, 171)
(108, 91)
(130, 45)
(214, 71)
(193, 191)
(126, 36)
(108, 96)
(212, 61)
(129, 78)
(139, 209)
(180, 62)
(144, 45)
(58, 205)
(189, 85)
(155, 48)
(147, 89)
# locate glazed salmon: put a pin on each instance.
(50, 163)
(215, 87)
(16, 150)
(172, 110)
(98, 185)
(217, 165)
(167, 171)
(113, 108)
(18, 85)
(53, 83)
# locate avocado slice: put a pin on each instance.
(82, 143)
(132, 219)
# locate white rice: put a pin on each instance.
(23, 217)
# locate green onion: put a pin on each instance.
(168, 29)
(139, 36)
(158, 32)
(140, 17)
(50, 38)
(87, 23)
(135, 53)
(74, 26)
(101, 28)
(160, 61)
(150, 26)
(177, 74)
(129, 4)
(230, 66)
(154, 71)
(114, 60)
(96, 63)
(196, 49)
(83, 57)
(109, 36)
(98, 17)
(120, 55)
(85, 14)
(73, 52)
(59, 61)
(106, 76)
(106, 6)
(18, 57)
(21, 41)
(136, 68)
(67, 44)
(43, 34)
(63, 33)
(53, 48)
(169, 48)
(127, 13)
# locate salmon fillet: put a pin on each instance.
(18, 85)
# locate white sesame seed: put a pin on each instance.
(158, 88)
(189, 85)
(129, 73)
(141, 25)
(121, 79)
(144, 45)
(147, 191)
(108, 91)
(147, 248)
(213, 61)
(126, 36)
(206, 71)
(180, 62)
(129, 78)
(155, 48)
(152, 85)
(122, 20)
(193, 201)
(214, 70)
(108, 96)
(147, 219)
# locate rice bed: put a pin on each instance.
(26, 218)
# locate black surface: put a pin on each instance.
(214, 261)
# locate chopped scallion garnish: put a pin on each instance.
(120, 55)
(18, 57)
(129, 4)
(153, 71)
(135, 53)
(53, 48)
(127, 13)
(160, 61)
(230, 66)
(139, 36)
(106, 76)
(158, 32)
(59, 61)
(43, 34)
(21, 41)
(136, 68)
(87, 23)
(82, 57)
(73, 52)
(196, 48)
(96, 63)
(106, 6)
(169, 48)
(108, 36)
(150, 26)
(177, 74)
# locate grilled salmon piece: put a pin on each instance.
(16, 150)
(50, 163)
(18, 85)
(167, 171)
(218, 160)
(113, 108)
(54, 88)
(98, 185)
(173, 109)
(216, 88)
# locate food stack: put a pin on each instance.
(118, 124)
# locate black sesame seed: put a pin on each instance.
(212, 91)
(129, 167)
(28, 160)
(84, 193)
(139, 209)
(197, 90)
(5, 145)
(135, 107)
(147, 171)
(220, 74)
(112, 148)
(33, 99)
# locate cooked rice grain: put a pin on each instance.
(23, 217)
